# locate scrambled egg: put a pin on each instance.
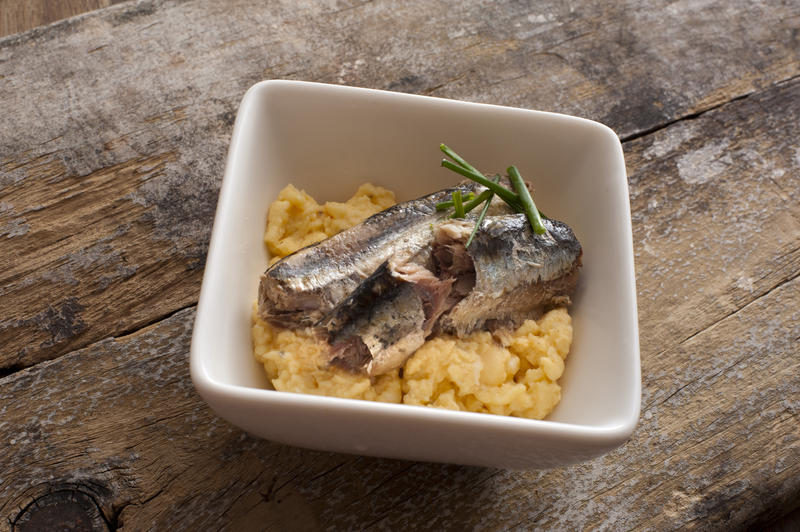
(511, 372)
(295, 220)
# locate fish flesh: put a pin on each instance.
(377, 291)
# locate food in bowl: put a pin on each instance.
(414, 306)
(330, 139)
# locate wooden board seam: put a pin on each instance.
(689, 116)
(711, 326)
(10, 371)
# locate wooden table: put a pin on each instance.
(113, 134)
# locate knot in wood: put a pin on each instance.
(63, 510)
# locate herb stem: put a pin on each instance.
(528, 207)
(444, 205)
(457, 158)
(474, 202)
(481, 216)
(508, 196)
(458, 204)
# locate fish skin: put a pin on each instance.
(518, 273)
(378, 326)
(301, 288)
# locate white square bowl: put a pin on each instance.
(328, 139)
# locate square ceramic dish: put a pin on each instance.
(327, 140)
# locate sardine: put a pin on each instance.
(377, 291)
(507, 275)
(517, 273)
(301, 288)
(386, 319)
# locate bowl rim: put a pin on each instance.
(211, 389)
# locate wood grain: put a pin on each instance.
(19, 15)
(142, 98)
(716, 214)
(111, 150)
(119, 424)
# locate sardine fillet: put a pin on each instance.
(386, 319)
(303, 287)
(518, 273)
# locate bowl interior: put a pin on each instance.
(328, 140)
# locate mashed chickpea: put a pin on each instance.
(295, 220)
(512, 372)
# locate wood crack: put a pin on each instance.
(12, 369)
(431, 90)
(389, 479)
(701, 112)
(156, 421)
(684, 118)
(242, 492)
(700, 378)
(778, 421)
(326, 472)
(349, 8)
(714, 324)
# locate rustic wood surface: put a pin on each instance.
(112, 142)
(20, 15)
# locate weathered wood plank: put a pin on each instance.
(114, 432)
(713, 401)
(118, 424)
(716, 212)
(141, 99)
(19, 15)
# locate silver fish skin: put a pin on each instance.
(517, 273)
(385, 320)
(301, 288)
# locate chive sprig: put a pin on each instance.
(528, 207)
(482, 215)
(458, 205)
(508, 196)
(519, 199)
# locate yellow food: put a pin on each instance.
(295, 220)
(294, 363)
(512, 372)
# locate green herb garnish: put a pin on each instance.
(520, 201)
(483, 196)
(458, 205)
(444, 205)
(508, 196)
(458, 159)
(527, 202)
(482, 215)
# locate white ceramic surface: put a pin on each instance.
(327, 139)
